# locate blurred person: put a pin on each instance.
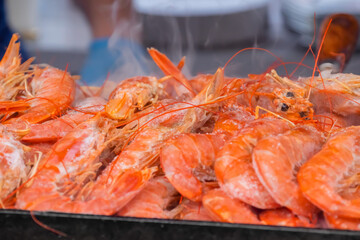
(115, 46)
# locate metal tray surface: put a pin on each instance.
(18, 224)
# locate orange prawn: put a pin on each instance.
(276, 161)
(284, 217)
(330, 178)
(233, 165)
(72, 184)
(13, 169)
(153, 201)
(55, 129)
(187, 161)
(225, 209)
(338, 93)
(133, 94)
(145, 148)
(66, 179)
(52, 92)
(59, 172)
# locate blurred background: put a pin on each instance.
(96, 37)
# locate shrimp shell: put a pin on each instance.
(233, 166)
(225, 209)
(276, 160)
(330, 178)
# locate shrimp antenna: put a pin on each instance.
(258, 108)
(317, 57)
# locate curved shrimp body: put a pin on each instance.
(283, 217)
(194, 211)
(72, 163)
(132, 94)
(13, 74)
(233, 165)
(276, 160)
(53, 92)
(153, 201)
(12, 161)
(225, 209)
(66, 180)
(187, 161)
(337, 222)
(330, 178)
(53, 130)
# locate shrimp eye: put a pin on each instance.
(290, 94)
(303, 114)
(284, 107)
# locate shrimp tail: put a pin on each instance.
(11, 52)
(213, 90)
(169, 68)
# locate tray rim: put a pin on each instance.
(51, 214)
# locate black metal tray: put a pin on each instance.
(18, 224)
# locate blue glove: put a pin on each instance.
(125, 56)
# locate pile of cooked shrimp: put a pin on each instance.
(264, 149)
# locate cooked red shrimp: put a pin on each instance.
(66, 179)
(276, 161)
(339, 93)
(187, 162)
(121, 180)
(13, 170)
(337, 222)
(225, 209)
(188, 159)
(330, 178)
(76, 152)
(284, 217)
(55, 129)
(145, 148)
(194, 211)
(153, 201)
(233, 166)
(133, 94)
(52, 92)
